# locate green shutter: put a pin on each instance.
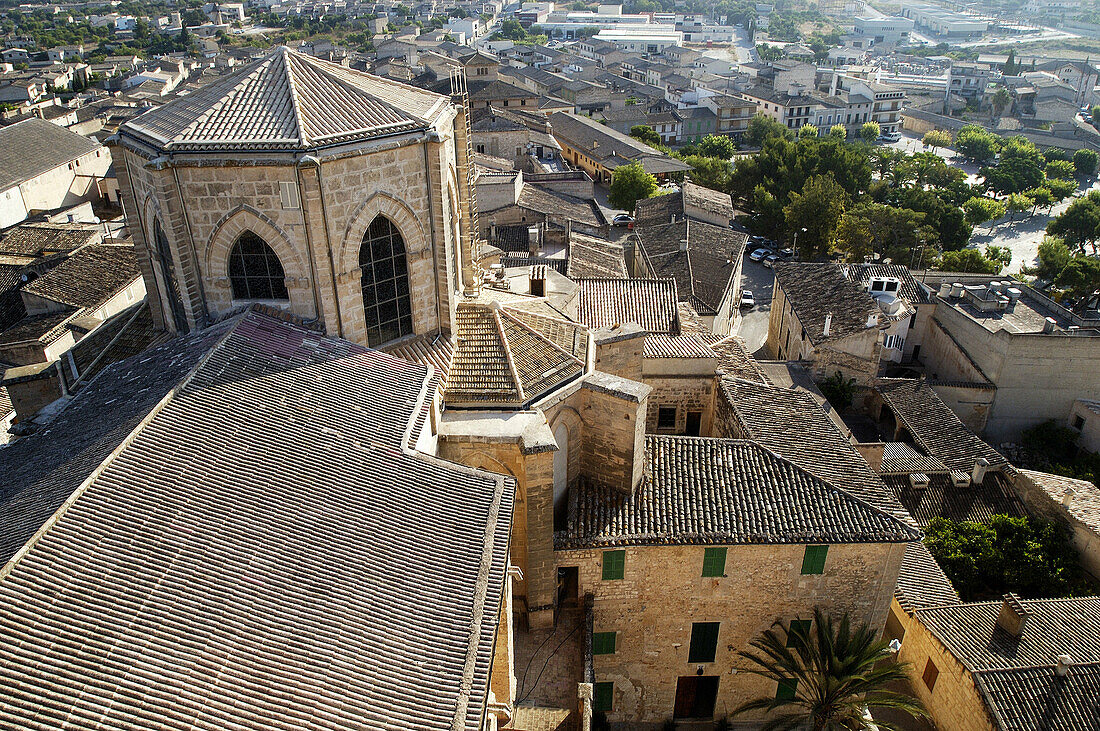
(785, 689)
(603, 643)
(603, 696)
(704, 641)
(796, 625)
(614, 563)
(814, 560)
(714, 561)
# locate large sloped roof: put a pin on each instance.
(286, 101)
(34, 146)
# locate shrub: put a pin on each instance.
(838, 390)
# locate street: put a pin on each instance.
(759, 280)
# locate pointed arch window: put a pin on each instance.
(255, 272)
(386, 301)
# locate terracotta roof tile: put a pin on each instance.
(88, 278)
(815, 290)
(649, 303)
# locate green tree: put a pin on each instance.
(982, 210)
(1000, 254)
(1000, 101)
(817, 209)
(807, 131)
(1061, 169)
(1021, 555)
(1081, 276)
(936, 138)
(970, 261)
(761, 128)
(1054, 255)
(1013, 175)
(629, 184)
(832, 672)
(1095, 115)
(710, 172)
(1078, 224)
(890, 231)
(646, 134)
(1018, 203)
(870, 131)
(1011, 68)
(1060, 189)
(975, 143)
(1084, 162)
(1040, 198)
(717, 146)
(838, 132)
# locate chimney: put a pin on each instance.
(683, 244)
(981, 466)
(1067, 497)
(1050, 325)
(1065, 662)
(1013, 616)
(828, 324)
(538, 280)
(945, 289)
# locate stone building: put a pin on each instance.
(302, 184)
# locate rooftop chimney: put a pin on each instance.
(1067, 496)
(1013, 616)
(1065, 662)
(828, 324)
(981, 466)
(683, 244)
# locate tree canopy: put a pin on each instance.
(629, 184)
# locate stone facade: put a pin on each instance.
(663, 592)
(313, 212)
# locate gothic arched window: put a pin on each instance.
(386, 303)
(255, 272)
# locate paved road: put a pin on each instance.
(754, 323)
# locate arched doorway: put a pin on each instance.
(387, 306)
(255, 272)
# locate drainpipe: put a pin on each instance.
(314, 162)
(309, 244)
(194, 251)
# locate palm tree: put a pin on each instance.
(827, 677)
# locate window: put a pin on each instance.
(695, 696)
(704, 641)
(386, 302)
(714, 561)
(814, 560)
(482, 71)
(798, 627)
(1078, 422)
(255, 272)
(603, 696)
(930, 674)
(785, 689)
(666, 417)
(614, 565)
(603, 643)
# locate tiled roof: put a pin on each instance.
(704, 269)
(1025, 699)
(723, 491)
(910, 288)
(500, 360)
(286, 101)
(591, 257)
(934, 426)
(921, 581)
(735, 360)
(687, 345)
(88, 278)
(126, 334)
(45, 328)
(899, 458)
(791, 423)
(1085, 505)
(34, 146)
(1053, 627)
(34, 239)
(259, 554)
(709, 200)
(815, 290)
(12, 309)
(553, 203)
(658, 209)
(608, 146)
(434, 349)
(649, 303)
(942, 499)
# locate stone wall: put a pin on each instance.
(663, 592)
(1039, 502)
(689, 393)
(954, 701)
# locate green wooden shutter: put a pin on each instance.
(704, 641)
(785, 689)
(814, 560)
(603, 643)
(603, 696)
(714, 561)
(614, 563)
(796, 625)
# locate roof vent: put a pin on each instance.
(956, 289)
(683, 244)
(1065, 662)
(981, 466)
(1013, 616)
(1067, 497)
(945, 289)
(960, 478)
(919, 480)
(538, 280)
(1050, 325)
(872, 319)
(828, 324)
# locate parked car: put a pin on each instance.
(747, 300)
(786, 252)
(759, 254)
(890, 137)
(623, 219)
(770, 260)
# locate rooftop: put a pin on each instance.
(1085, 505)
(591, 257)
(702, 267)
(816, 290)
(286, 101)
(1024, 312)
(723, 491)
(34, 146)
(609, 147)
(921, 581)
(88, 278)
(649, 303)
(192, 558)
(39, 239)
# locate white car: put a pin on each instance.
(759, 254)
(747, 300)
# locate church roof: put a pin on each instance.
(286, 101)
